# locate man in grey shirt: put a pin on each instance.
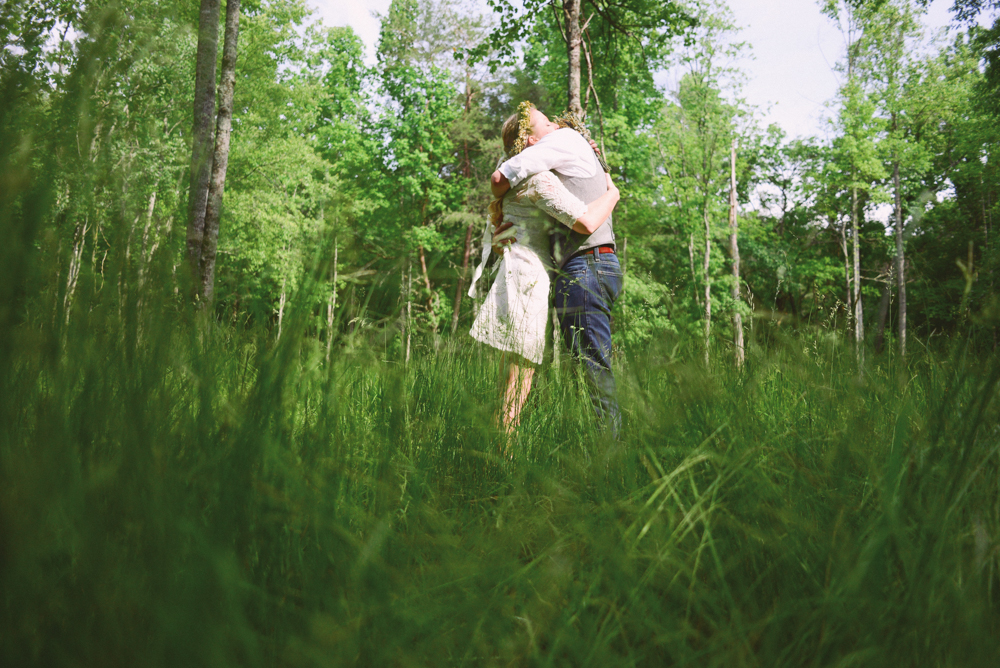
(588, 280)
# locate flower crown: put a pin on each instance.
(523, 128)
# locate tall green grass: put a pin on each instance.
(175, 493)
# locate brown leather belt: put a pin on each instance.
(599, 249)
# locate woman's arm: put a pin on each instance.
(546, 192)
(598, 210)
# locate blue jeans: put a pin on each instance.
(585, 290)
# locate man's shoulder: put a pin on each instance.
(573, 143)
(565, 136)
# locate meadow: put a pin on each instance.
(175, 492)
(201, 481)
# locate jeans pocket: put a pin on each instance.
(609, 273)
(613, 284)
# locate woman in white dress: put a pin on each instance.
(515, 312)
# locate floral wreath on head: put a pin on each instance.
(523, 128)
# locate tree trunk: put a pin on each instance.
(574, 39)
(467, 172)
(75, 261)
(281, 306)
(221, 159)
(331, 305)
(989, 258)
(734, 250)
(859, 323)
(883, 313)
(409, 308)
(427, 284)
(461, 278)
(694, 274)
(147, 250)
(847, 267)
(707, 279)
(900, 258)
(859, 312)
(202, 137)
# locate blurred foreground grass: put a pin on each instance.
(179, 495)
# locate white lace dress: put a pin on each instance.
(514, 314)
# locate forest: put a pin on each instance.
(242, 421)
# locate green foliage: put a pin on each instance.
(986, 40)
(647, 309)
(385, 166)
(630, 27)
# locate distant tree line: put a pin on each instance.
(355, 193)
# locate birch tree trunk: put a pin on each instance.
(202, 133)
(461, 278)
(694, 274)
(467, 172)
(988, 253)
(331, 305)
(847, 268)
(146, 250)
(859, 322)
(573, 39)
(221, 159)
(281, 307)
(430, 293)
(900, 257)
(883, 312)
(409, 308)
(859, 312)
(708, 279)
(75, 260)
(734, 250)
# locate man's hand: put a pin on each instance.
(499, 184)
(503, 236)
(593, 145)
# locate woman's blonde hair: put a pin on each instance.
(515, 130)
(509, 132)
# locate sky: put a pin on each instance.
(790, 76)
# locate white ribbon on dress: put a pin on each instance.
(487, 249)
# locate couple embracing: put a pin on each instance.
(551, 218)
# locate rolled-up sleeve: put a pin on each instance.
(538, 159)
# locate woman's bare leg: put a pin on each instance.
(515, 393)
